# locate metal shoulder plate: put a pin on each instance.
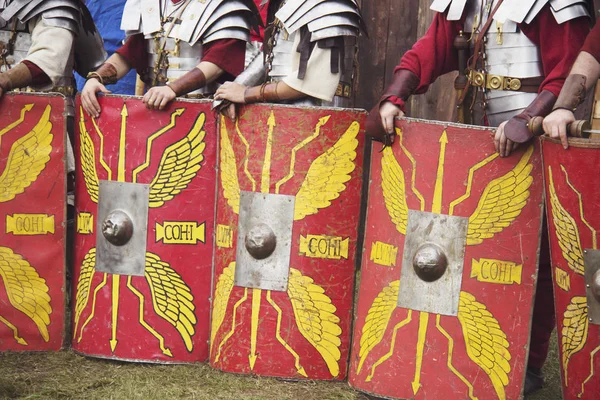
(324, 19)
(61, 13)
(518, 11)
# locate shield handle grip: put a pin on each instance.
(578, 129)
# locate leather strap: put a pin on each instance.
(192, 80)
(517, 128)
(106, 74)
(267, 92)
(572, 93)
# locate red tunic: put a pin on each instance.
(592, 43)
(227, 54)
(434, 54)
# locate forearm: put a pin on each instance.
(120, 63)
(271, 92)
(588, 66)
(210, 70)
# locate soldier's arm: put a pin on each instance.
(432, 56)
(222, 58)
(559, 45)
(584, 74)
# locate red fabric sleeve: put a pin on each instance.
(227, 54)
(135, 52)
(434, 54)
(592, 43)
(38, 76)
(558, 44)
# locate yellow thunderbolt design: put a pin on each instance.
(314, 311)
(28, 156)
(501, 202)
(172, 299)
(27, 292)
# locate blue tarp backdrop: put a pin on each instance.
(107, 15)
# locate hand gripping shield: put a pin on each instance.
(287, 218)
(448, 273)
(573, 211)
(32, 223)
(145, 212)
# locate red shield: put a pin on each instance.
(573, 209)
(32, 224)
(162, 316)
(481, 351)
(315, 155)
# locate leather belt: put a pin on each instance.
(499, 82)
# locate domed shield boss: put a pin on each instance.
(430, 262)
(117, 228)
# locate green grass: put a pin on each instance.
(67, 376)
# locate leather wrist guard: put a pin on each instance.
(267, 92)
(517, 128)
(192, 80)
(17, 77)
(106, 74)
(403, 86)
(572, 93)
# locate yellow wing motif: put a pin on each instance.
(327, 175)
(26, 291)
(222, 293)
(315, 318)
(501, 202)
(394, 190)
(84, 284)
(575, 330)
(486, 343)
(566, 230)
(229, 177)
(172, 299)
(377, 320)
(27, 159)
(88, 161)
(179, 164)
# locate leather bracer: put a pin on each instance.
(572, 93)
(517, 128)
(192, 80)
(106, 74)
(17, 77)
(403, 86)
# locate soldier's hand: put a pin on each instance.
(88, 96)
(231, 91)
(504, 146)
(555, 125)
(389, 112)
(231, 111)
(158, 97)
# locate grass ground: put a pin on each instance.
(67, 376)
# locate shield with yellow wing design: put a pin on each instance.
(287, 218)
(32, 222)
(145, 215)
(449, 267)
(573, 210)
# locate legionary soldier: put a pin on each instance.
(42, 42)
(308, 56)
(515, 56)
(179, 47)
(585, 72)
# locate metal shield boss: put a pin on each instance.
(287, 222)
(448, 272)
(573, 211)
(32, 221)
(144, 213)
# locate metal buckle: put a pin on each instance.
(494, 82)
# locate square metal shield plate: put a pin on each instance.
(131, 198)
(267, 212)
(591, 260)
(449, 234)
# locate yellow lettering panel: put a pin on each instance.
(384, 254)
(85, 223)
(180, 232)
(563, 280)
(496, 271)
(320, 246)
(30, 224)
(224, 236)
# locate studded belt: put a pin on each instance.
(343, 90)
(499, 82)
